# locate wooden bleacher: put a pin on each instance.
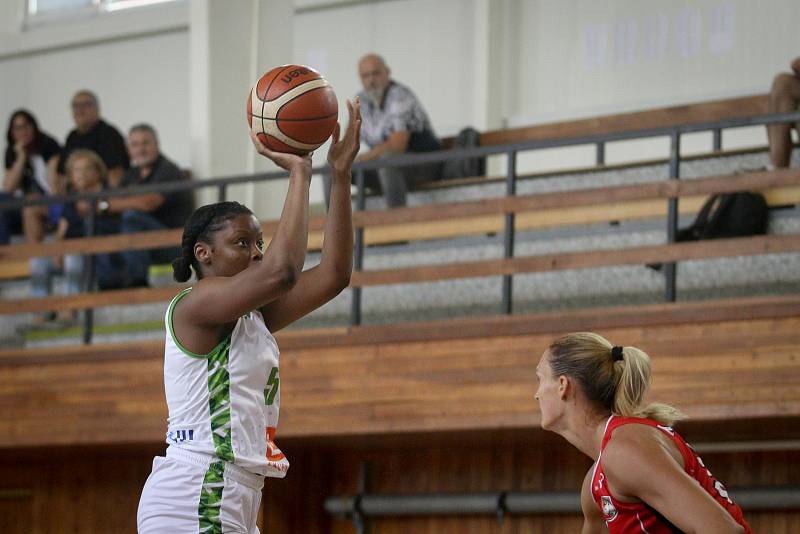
(425, 222)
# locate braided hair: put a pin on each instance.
(202, 224)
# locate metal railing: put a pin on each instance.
(510, 150)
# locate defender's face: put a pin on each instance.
(548, 392)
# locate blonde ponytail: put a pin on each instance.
(616, 378)
(633, 372)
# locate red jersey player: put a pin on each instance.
(645, 478)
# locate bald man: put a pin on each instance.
(93, 133)
(393, 122)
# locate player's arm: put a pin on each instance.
(320, 284)
(219, 300)
(639, 467)
(592, 518)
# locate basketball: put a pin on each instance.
(292, 109)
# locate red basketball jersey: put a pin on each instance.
(627, 518)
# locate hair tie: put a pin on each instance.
(616, 354)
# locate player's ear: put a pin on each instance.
(564, 387)
(202, 251)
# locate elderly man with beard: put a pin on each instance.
(393, 122)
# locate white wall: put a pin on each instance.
(429, 46)
(584, 57)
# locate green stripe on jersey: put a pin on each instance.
(219, 400)
(211, 499)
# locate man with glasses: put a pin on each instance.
(93, 133)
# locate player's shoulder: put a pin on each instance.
(631, 445)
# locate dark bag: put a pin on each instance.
(461, 168)
(728, 215)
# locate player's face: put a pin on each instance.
(548, 392)
(237, 246)
(142, 148)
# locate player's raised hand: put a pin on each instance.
(284, 160)
(343, 151)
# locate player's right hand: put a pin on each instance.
(284, 160)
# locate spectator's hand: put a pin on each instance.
(796, 67)
(19, 151)
(343, 151)
(58, 262)
(290, 162)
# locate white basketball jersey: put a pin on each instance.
(225, 403)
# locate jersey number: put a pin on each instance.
(273, 382)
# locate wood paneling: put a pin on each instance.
(694, 250)
(720, 370)
(747, 106)
(69, 490)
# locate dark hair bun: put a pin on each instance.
(181, 270)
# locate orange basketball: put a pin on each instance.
(292, 109)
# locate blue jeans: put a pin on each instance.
(43, 269)
(109, 267)
(137, 262)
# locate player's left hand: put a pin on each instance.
(343, 151)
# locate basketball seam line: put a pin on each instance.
(298, 120)
(270, 83)
(327, 84)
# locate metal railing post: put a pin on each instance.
(600, 153)
(358, 250)
(717, 147)
(508, 235)
(89, 277)
(222, 193)
(671, 268)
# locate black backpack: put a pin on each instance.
(460, 168)
(728, 215)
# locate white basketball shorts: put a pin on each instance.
(191, 493)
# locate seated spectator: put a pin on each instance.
(393, 122)
(86, 173)
(31, 160)
(151, 211)
(93, 133)
(783, 97)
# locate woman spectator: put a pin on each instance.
(31, 162)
